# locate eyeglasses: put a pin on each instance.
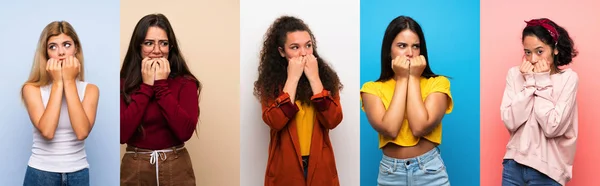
(149, 45)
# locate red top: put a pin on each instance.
(168, 112)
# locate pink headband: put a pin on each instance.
(546, 24)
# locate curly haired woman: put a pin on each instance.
(300, 101)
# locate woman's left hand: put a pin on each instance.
(541, 66)
(70, 68)
(417, 65)
(311, 68)
(163, 69)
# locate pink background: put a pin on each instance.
(501, 48)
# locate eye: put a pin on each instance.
(402, 45)
(416, 46)
(67, 45)
(148, 43)
(164, 43)
(540, 52)
(294, 47)
(52, 47)
(527, 53)
(309, 45)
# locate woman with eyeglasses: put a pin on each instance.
(159, 107)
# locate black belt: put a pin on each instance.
(304, 161)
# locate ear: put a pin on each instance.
(281, 52)
(555, 51)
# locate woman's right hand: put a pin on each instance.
(148, 71)
(401, 66)
(526, 67)
(54, 68)
(296, 67)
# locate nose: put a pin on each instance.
(61, 51)
(156, 49)
(409, 53)
(303, 51)
(534, 59)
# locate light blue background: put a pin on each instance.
(452, 33)
(97, 24)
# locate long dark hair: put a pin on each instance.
(398, 25)
(131, 70)
(564, 45)
(272, 71)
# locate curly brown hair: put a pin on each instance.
(272, 71)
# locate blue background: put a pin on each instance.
(452, 33)
(97, 24)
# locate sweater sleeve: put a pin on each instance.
(132, 113)
(517, 101)
(182, 112)
(555, 114)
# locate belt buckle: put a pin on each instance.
(304, 162)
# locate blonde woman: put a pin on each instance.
(62, 108)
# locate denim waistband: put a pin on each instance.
(395, 163)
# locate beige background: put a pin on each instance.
(208, 35)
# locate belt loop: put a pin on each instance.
(176, 152)
(135, 154)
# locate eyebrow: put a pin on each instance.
(539, 47)
(402, 42)
(309, 41)
(53, 43)
(155, 40)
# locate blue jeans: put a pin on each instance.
(515, 174)
(35, 177)
(426, 169)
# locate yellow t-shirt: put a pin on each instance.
(305, 118)
(385, 91)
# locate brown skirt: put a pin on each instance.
(174, 167)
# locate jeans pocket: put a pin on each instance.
(384, 168)
(505, 161)
(434, 166)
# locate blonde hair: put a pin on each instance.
(38, 75)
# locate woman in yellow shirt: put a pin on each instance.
(406, 106)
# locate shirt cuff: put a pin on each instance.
(146, 90)
(161, 88)
(285, 104)
(322, 100)
(542, 80)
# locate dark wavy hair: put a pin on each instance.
(272, 71)
(396, 26)
(131, 70)
(564, 45)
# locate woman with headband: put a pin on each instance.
(159, 107)
(539, 109)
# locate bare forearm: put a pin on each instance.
(79, 120)
(417, 114)
(290, 87)
(49, 120)
(395, 113)
(316, 86)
